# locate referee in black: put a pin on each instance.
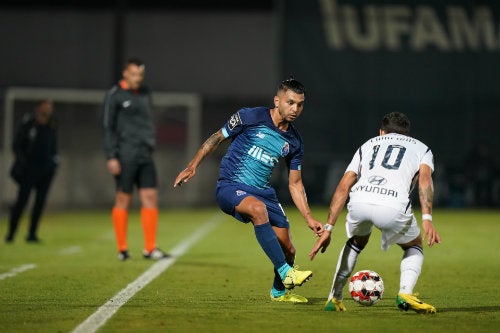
(35, 149)
(129, 140)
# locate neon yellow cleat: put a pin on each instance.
(408, 301)
(289, 297)
(334, 305)
(295, 277)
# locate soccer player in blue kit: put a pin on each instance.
(260, 137)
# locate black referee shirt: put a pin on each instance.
(129, 133)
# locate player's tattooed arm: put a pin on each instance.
(426, 196)
(212, 142)
(425, 189)
(206, 148)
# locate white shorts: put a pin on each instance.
(396, 227)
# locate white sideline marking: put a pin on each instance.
(16, 270)
(71, 250)
(108, 309)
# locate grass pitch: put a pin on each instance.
(221, 284)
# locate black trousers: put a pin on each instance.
(41, 187)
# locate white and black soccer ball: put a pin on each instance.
(366, 287)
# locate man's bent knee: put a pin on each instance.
(360, 241)
(416, 242)
(254, 209)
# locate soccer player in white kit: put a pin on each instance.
(378, 181)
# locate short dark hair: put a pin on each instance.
(134, 61)
(291, 84)
(396, 122)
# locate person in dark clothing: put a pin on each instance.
(35, 149)
(129, 140)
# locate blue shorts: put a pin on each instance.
(229, 195)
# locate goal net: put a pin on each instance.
(82, 179)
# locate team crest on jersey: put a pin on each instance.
(286, 149)
(377, 180)
(234, 121)
(240, 193)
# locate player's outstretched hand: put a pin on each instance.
(184, 176)
(430, 233)
(315, 226)
(321, 244)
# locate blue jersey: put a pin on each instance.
(256, 147)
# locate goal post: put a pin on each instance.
(187, 106)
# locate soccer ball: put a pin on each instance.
(366, 287)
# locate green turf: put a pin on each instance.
(222, 283)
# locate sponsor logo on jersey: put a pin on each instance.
(376, 190)
(377, 180)
(234, 121)
(126, 104)
(261, 155)
(260, 135)
(286, 149)
(240, 193)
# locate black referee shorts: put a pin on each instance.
(142, 174)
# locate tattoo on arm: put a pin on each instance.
(212, 142)
(426, 196)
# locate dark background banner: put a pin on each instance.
(438, 62)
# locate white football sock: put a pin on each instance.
(345, 265)
(411, 266)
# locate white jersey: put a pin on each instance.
(387, 166)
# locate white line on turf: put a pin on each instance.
(16, 270)
(108, 309)
(71, 250)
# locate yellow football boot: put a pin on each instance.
(334, 305)
(295, 277)
(408, 301)
(289, 297)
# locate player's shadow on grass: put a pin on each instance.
(314, 301)
(348, 303)
(492, 308)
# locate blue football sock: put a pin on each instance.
(283, 270)
(278, 282)
(269, 242)
(277, 292)
(278, 279)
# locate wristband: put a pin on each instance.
(328, 227)
(427, 217)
